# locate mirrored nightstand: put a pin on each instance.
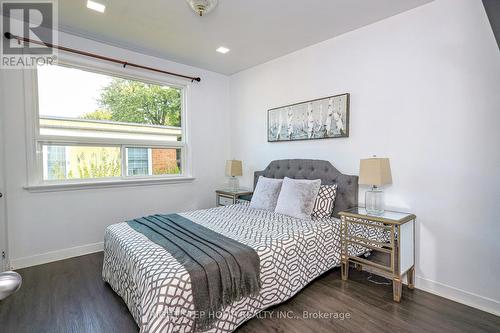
(226, 197)
(393, 259)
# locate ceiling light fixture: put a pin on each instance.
(222, 50)
(98, 7)
(202, 6)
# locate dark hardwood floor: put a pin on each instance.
(70, 296)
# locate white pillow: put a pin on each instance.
(266, 193)
(297, 197)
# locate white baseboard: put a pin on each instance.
(55, 255)
(458, 295)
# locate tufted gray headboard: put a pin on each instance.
(347, 186)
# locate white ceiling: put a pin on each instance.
(256, 31)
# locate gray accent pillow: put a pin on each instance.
(265, 195)
(297, 197)
(325, 201)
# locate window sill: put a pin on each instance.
(47, 187)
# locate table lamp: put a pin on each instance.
(375, 172)
(233, 170)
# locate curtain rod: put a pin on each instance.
(8, 35)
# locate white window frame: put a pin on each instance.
(34, 140)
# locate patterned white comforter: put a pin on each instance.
(157, 289)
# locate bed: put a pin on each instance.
(157, 288)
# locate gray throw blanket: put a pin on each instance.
(221, 269)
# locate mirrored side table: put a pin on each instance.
(391, 259)
(226, 197)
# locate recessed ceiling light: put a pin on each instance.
(222, 50)
(98, 7)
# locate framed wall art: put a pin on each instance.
(322, 118)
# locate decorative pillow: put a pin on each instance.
(325, 201)
(297, 197)
(266, 193)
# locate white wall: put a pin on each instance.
(425, 91)
(54, 225)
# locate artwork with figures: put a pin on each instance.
(316, 119)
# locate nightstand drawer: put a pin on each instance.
(224, 201)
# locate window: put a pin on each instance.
(81, 162)
(138, 161)
(56, 162)
(93, 125)
(153, 161)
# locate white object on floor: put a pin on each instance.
(10, 282)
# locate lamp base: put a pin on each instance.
(374, 201)
(233, 184)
